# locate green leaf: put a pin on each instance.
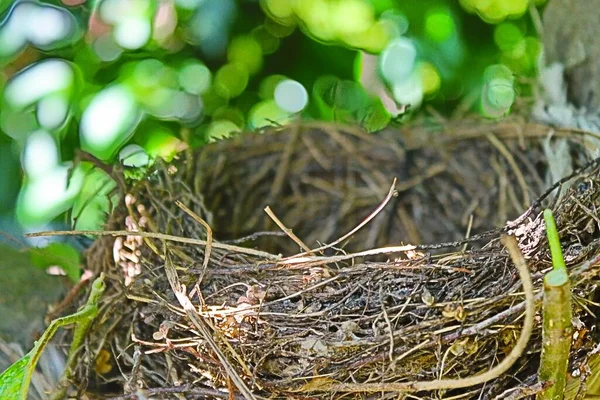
(14, 381)
(61, 254)
(95, 201)
(373, 118)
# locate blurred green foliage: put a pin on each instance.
(134, 80)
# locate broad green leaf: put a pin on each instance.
(95, 201)
(373, 118)
(14, 381)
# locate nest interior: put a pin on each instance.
(230, 300)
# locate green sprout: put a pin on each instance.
(557, 327)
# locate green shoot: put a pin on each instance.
(556, 313)
(558, 261)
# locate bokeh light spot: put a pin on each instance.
(374, 39)
(40, 154)
(439, 25)
(245, 50)
(495, 11)
(195, 78)
(430, 78)
(45, 26)
(43, 199)
(409, 92)
(291, 96)
(106, 48)
(507, 36)
(188, 4)
(396, 22)
(398, 60)
(108, 121)
(267, 86)
(498, 92)
(48, 25)
(318, 16)
(278, 28)
(232, 114)
(231, 80)
(52, 111)
(359, 12)
(147, 73)
(38, 80)
(209, 28)
(498, 71)
(281, 9)
(267, 41)
(133, 33)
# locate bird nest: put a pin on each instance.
(378, 262)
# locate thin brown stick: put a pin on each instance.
(209, 236)
(288, 231)
(515, 253)
(429, 173)
(513, 165)
(283, 167)
(391, 193)
(172, 238)
(320, 260)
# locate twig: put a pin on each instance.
(71, 295)
(319, 260)
(513, 165)
(469, 226)
(283, 167)
(474, 329)
(288, 231)
(389, 324)
(209, 236)
(172, 238)
(132, 383)
(391, 193)
(253, 236)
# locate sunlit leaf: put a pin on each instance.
(14, 381)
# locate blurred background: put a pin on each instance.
(131, 81)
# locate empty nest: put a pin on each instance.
(420, 290)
